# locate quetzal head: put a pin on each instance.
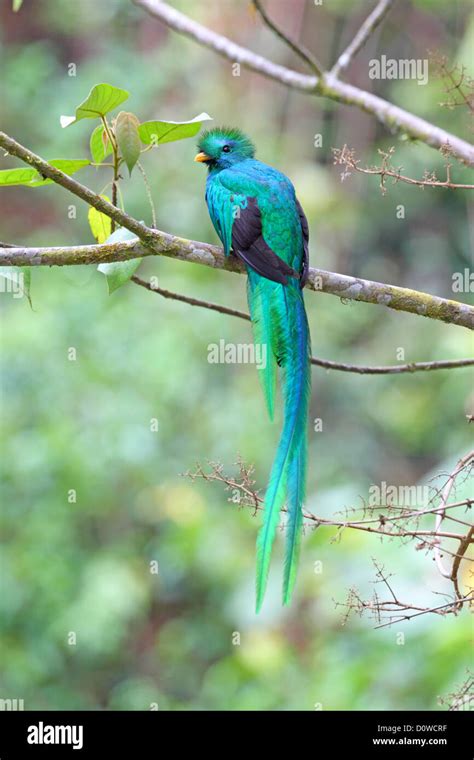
(222, 147)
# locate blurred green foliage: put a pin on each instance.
(85, 425)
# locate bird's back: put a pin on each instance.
(276, 199)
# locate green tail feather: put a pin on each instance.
(288, 470)
(264, 334)
(274, 499)
(296, 487)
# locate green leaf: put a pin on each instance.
(17, 5)
(18, 176)
(69, 165)
(119, 272)
(32, 178)
(101, 99)
(99, 223)
(19, 279)
(128, 140)
(100, 144)
(168, 131)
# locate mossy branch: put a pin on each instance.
(153, 242)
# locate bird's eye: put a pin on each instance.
(226, 149)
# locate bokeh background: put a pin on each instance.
(84, 567)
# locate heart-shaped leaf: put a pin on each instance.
(32, 178)
(119, 272)
(100, 145)
(128, 140)
(100, 223)
(167, 131)
(101, 99)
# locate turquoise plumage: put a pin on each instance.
(256, 214)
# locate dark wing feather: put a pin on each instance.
(248, 244)
(305, 231)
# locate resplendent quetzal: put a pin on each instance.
(257, 216)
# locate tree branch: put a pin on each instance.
(449, 605)
(346, 157)
(369, 26)
(395, 119)
(393, 610)
(405, 524)
(154, 242)
(164, 244)
(190, 300)
(460, 555)
(225, 47)
(382, 525)
(395, 369)
(297, 48)
(463, 696)
(252, 498)
(440, 515)
(81, 191)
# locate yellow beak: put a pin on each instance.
(201, 157)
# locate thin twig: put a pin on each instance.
(424, 611)
(297, 47)
(362, 35)
(463, 697)
(244, 494)
(115, 151)
(394, 118)
(346, 157)
(189, 299)
(325, 363)
(452, 574)
(148, 194)
(217, 474)
(392, 607)
(459, 79)
(460, 555)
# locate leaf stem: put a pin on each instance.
(116, 164)
(148, 194)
